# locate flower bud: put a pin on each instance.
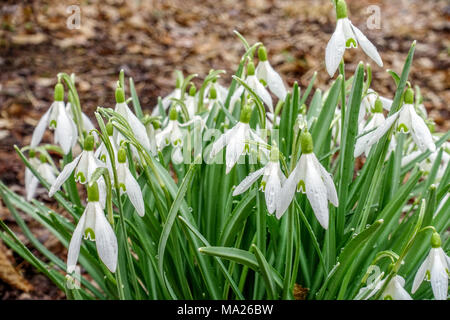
(262, 53)
(173, 114)
(109, 128)
(92, 192)
(122, 155)
(436, 240)
(306, 142)
(341, 9)
(120, 95)
(32, 153)
(89, 143)
(250, 69)
(59, 92)
(43, 158)
(246, 114)
(409, 96)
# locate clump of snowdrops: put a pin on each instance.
(246, 191)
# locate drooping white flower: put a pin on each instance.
(368, 104)
(407, 120)
(435, 268)
(191, 102)
(272, 180)
(167, 100)
(265, 72)
(56, 118)
(84, 166)
(87, 123)
(393, 291)
(102, 152)
(172, 134)
(310, 177)
(136, 125)
(44, 169)
(128, 183)
(254, 84)
(346, 36)
(237, 140)
(94, 226)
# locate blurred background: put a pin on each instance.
(150, 39)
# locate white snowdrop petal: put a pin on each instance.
(62, 177)
(289, 187)
(367, 46)
(328, 181)
(235, 148)
(138, 129)
(134, 193)
(222, 141)
(439, 276)
(40, 128)
(335, 49)
(261, 92)
(65, 132)
(420, 275)
(248, 181)
(105, 239)
(316, 193)
(273, 80)
(31, 188)
(75, 241)
(272, 191)
(420, 132)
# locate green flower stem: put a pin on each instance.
(70, 184)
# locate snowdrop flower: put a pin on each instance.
(310, 177)
(172, 135)
(136, 125)
(272, 180)
(28, 174)
(44, 169)
(93, 226)
(254, 84)
(393, 291)
(346, 36)
(128, 184)
(376, 121)
(435, 268)
(221, 91)
(237, 140)
(428, 162)
(407, 121)
(153, 129)
(191, 102)
(265, 72)
(84, 165)
(167, 100)
(56, 118)
(368, 104)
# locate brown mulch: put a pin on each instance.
(151, 39)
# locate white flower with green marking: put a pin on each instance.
(173, 135)
(265, 72)
(237, 140)
(44, 169)
(57, 119)
(435, 269)
(407, 121)
(346, 36)
(309, 177)
(93, 226)
(272, 180)
(128, 184)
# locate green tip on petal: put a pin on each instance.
(59, 92)
(192, 90)
(156, 125)
(43, 158)
(173, 114)
(436, 240)
(246, 114)
(212, 93)
(378, 107)
(409, 96)
(122, 155)
(120, 95)
(306, 142)
(109, 129)
(341, 9)
(250, 68)
(89, 143)
(262, 53)
(92, 192)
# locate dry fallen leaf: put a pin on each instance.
(10, 275)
